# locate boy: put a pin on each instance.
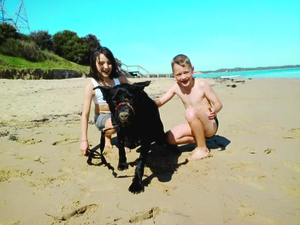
(201, 104)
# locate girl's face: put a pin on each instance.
(103, 65)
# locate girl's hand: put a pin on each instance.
(84, 146)
(211, 114)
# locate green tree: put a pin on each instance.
(67, 44)
(43, 39)
(7, 31)
(91, 42)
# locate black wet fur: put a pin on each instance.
(139, 124)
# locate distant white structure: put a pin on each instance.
(18, 19)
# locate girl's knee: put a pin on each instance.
(109, 132)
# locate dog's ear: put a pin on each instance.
(141, 85)
(105, 91)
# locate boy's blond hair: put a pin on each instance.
(181, 60)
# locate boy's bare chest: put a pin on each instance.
(195, 98)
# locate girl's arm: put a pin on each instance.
(88, 92)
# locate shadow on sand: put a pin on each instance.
(162, 160)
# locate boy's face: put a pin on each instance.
(183, 74)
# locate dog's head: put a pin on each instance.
(123, 100)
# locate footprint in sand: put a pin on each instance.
(6, 175)
(293, 165)
(165, 188)
(76, 212)
(253, 174)
(30, 141)
(243, 166)
(140, 216)
(250, 181)
(253, 151)
(294, 133)
(269, 151)
(268, 126)
(66, 141)
(245, 211)
(160, 216)
(295, 191)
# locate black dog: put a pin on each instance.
(136, 117)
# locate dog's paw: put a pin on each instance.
(136, 187)
(122, 166)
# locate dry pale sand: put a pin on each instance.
(254, 179)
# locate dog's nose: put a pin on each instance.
(124, 115)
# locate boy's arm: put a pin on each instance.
(212, 97)
(166, 96)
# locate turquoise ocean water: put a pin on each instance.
(280, 73)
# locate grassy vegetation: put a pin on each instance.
(53, 62)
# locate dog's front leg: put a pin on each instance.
(122, 156)
(137, 185)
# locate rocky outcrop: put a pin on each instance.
(35, 74)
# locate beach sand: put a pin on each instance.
(252, 178)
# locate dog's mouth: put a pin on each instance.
(124, 118)
(124, 112)
(125, 104)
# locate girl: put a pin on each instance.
(103, 69)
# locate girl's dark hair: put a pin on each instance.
(93, 60)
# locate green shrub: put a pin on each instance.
(10, 48)
(23, 49)
(30, 51)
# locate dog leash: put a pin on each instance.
(102, 139)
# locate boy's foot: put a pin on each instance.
(199, 154)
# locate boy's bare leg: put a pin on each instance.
(181, 134)
(201, 151)
(194, 131)
(200, 126)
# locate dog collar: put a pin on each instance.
(125, 103)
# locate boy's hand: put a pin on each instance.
(211, 114)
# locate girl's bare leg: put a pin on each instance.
(108, 135)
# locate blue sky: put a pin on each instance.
(214, 34)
